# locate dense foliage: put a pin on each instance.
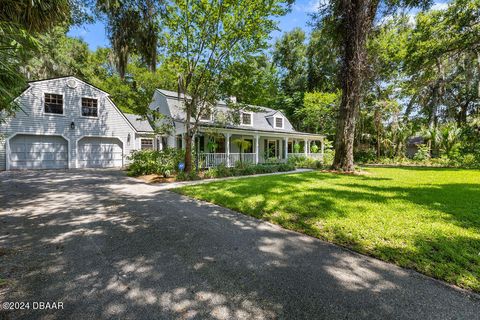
(422, 76)
(222, 171)
(164, 162)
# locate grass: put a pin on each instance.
(427, 219)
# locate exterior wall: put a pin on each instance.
(32, 119)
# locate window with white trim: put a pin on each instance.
(146, 144)
(279, 122)
(246, 118)
(89, 107)
(206, 115)
(53, 103)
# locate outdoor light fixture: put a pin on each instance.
(128, 139)
(72, 125)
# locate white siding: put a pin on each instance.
(32, 120)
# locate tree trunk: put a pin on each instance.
(188, 152)
(355, 25)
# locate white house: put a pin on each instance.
(68, 123)
(269, 132)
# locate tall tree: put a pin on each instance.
(20, 22)
(133, 26)
(290, 56)
(205, 37)
(353, 21)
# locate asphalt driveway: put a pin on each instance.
(108, 246)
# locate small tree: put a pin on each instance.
(204, 38)
(242, 145)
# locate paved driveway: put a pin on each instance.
(108, 246)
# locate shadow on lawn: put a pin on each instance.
(110, 247)
(285, 201)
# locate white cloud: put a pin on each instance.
(440, 6)
(310, 6)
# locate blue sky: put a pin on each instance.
(95, 36)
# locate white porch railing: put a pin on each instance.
(209, 160)
(245, 158)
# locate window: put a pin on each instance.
(206, 115)
(89, 107)
(146, 144)
(278, 122)
(246, 119)
(53, 103)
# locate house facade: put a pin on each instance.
(68, 123)
(268, 134)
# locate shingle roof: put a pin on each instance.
(139, 123)
(262, 116)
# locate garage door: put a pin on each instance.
(94, 152)
(38, 152)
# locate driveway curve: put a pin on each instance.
(111, 247)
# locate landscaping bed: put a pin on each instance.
(163, 167)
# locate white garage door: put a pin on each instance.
(38, 152)
(94, 152)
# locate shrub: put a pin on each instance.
(164, 162)
(423, 153)
(470, 160)
(183, 176)
(249, 169)
(304, 162)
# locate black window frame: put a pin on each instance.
(90, 107)
(52, 101)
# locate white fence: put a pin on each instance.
(209, 160)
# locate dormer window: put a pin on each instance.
(246, 118)
(89, 107)
(278, 122)
(53, 103)
(206, 115)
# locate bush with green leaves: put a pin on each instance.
(423, 153)
(222, 171)
(183, 176)
(305, 162)
(164, 162)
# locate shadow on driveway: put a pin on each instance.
(108, 246)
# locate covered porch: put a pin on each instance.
(232, 146)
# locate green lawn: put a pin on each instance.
(424, 219)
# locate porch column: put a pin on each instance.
(286, 148)
(183, 141)
(257, 141)
(305, 148)
(227, 147)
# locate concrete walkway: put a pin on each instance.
(111, 247)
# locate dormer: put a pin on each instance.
(246, 118)
(276, 120)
